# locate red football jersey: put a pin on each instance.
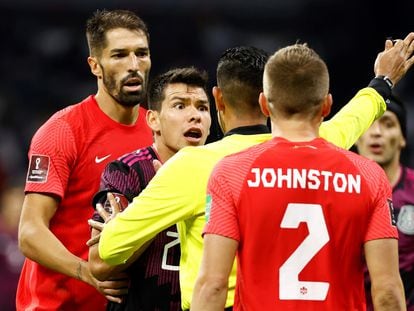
(66, 158)
(301, 213)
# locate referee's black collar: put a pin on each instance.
(249, 130)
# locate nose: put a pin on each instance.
(375, 129)
(134, 62)
(195, 114)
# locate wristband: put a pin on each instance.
(381, 86)
(386, 79)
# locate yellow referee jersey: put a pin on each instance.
(177, 193)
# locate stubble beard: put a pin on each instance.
(126, 99)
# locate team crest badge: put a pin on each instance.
(405, 222)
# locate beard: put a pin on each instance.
(126, 99)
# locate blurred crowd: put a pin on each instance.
(43, 67)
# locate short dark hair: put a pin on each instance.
(296, 80)
(187, 75)
(102, 21)
(240, 76)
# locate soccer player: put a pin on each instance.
(383, 143)
(67, 156)
(298, 211)
(177, 192)
(179, 116)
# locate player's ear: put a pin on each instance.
(264, 104)
(327, 105)
(153, 120)
(95, 68)
(403, 142)
(218, 98)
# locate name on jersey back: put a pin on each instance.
(293, 178)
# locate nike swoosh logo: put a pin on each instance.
(99, 160)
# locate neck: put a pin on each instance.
(163, 151)
(113, 109)
(393, 171)
(232, 122)
(295, 130)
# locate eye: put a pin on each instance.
(388, 123)
(118, 55)
(142, 53)
(204, 108)
(179, 105)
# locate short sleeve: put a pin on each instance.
(221, 215)
(52, 155)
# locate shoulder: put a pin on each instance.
(409, 173)
(141, 155)
(68, 122)
(368, 169)
(406, 181)
(67, 117)
(133, 160)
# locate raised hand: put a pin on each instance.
(396, 58)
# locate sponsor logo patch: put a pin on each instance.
(392, 214)
(38, 168)
(405, 222)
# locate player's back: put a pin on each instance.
(305, 210)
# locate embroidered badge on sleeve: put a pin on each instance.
(38, 168)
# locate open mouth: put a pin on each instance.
(375, 148)
(193, 133)
(133, 84)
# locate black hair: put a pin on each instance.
(187, 75)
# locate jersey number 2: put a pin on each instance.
(290, 288)
(167, 246)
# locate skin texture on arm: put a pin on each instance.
(386, 285)
(100, 269)
(34, 235)
(210, 290)
(38, 243)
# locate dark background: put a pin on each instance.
(43, 64)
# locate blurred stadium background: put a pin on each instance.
(43, 53)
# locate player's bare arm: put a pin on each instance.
(386, 285)
(210, 290)
(34, 234)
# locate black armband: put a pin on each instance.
(383, 85)
(386, 79)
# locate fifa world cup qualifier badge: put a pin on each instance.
(38, 168)
(405, 222)
(392, 215)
